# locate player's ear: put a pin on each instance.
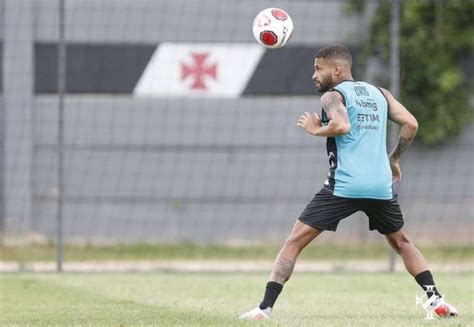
(337, 69)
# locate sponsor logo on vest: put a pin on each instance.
(361, 91)
(368, 122)
(366, 104)
(367, 117)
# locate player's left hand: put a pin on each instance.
(310, 122)
(396, 171)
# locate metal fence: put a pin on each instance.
(89, 159)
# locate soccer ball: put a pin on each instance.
(272, 28)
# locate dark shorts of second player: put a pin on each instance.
(326, 210)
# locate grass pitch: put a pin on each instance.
(205, 299)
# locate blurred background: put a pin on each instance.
(153, 130)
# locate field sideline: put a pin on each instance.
(135, 252)
(213, 299)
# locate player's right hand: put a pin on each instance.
(309, 122)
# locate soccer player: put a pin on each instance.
(354, 121)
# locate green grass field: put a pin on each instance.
(205, 299)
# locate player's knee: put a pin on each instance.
(400, 243)
(294, 241)
(290, 241)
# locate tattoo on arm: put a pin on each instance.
(331, 102)
(403, 144)
(343, 113)
(282, 270)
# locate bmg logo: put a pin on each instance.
(366, 104)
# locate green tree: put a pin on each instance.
(436, 41)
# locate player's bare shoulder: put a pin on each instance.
(398, 113)
(386, 93)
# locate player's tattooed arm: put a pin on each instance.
(282, 270)
(332, 104)
(408, 128)
(403, 144)
(337, 113)
(404, 141)
(408, 125)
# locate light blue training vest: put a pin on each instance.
(360, 166)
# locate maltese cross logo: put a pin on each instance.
(427, 303)
(198, 71)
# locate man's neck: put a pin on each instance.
(344, 78)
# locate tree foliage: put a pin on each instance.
(436, 42)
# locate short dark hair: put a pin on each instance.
(336, 51)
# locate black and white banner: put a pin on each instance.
(189, 69)
(178, 69)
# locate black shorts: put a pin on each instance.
(326, 210)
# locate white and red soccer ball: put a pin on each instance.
(272, 28)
